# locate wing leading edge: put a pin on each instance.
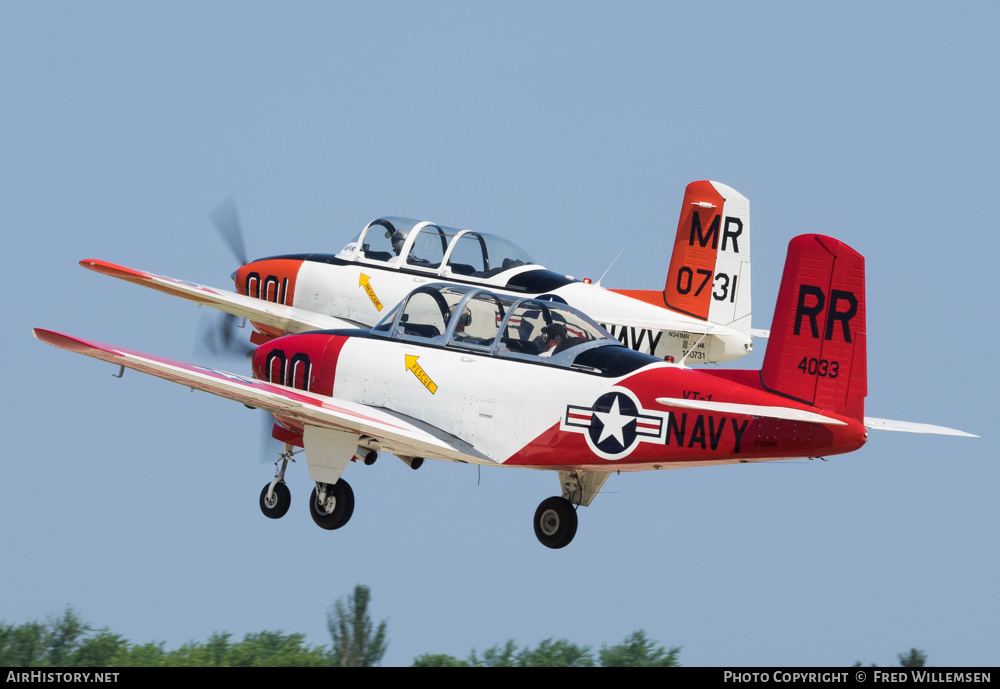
(289, 319)
(395, 433)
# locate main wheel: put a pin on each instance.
(338, 508)
(281, 498)
(555, 522)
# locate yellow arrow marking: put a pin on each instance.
(364, 281)
(412, 365)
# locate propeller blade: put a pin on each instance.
(218, 335)
(227, 221)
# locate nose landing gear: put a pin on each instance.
(276, 498)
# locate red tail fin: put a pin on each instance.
(816, 352)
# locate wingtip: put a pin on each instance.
(90, 263)
(112, 269)
(51, 337)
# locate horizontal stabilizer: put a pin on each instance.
(911, 427)
(288, 319)
(752, 410)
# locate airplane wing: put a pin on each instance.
(289, 319)
(911, 427)
(396, 433)
(788, 413)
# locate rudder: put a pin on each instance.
(709, 274)
(817, 353)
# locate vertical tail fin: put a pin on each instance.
(709, 275)
(816, 353)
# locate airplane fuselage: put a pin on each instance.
(533, 414)
(362, 293)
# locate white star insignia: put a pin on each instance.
(613, 422)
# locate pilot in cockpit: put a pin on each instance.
(460, 335)
(398, 239)
(553, 335)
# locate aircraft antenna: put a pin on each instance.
(609, 267)
(692, 347)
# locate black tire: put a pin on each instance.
(279, 503)
(342, 510)
(555, 522)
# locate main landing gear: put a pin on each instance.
(555, 522)
(555, 518)
(330, 504)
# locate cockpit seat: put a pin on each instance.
(521, 346)
(462, 268)
(421, 330)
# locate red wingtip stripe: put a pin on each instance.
(112, 269)
(61, 341)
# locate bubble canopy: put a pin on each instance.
(446, 251)
(478, 320)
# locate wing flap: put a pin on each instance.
(396, 433)
(289, 319)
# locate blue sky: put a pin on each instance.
(571, 128)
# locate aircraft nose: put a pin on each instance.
(307, 361)
(271, 279)
(258, 358)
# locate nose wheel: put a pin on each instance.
(555, 522)
(275, 499)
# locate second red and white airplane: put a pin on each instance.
(701, 315)
(464, 374)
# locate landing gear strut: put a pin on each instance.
(555, 522)
(331, 505)
(275, 498)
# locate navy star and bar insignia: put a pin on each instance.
(615, 424)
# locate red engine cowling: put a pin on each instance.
(270, 279)
(306, 361)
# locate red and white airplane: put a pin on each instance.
(465, 374)
(701, 315)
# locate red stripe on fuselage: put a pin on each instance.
(692, 435)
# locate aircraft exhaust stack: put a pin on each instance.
(412, 462)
